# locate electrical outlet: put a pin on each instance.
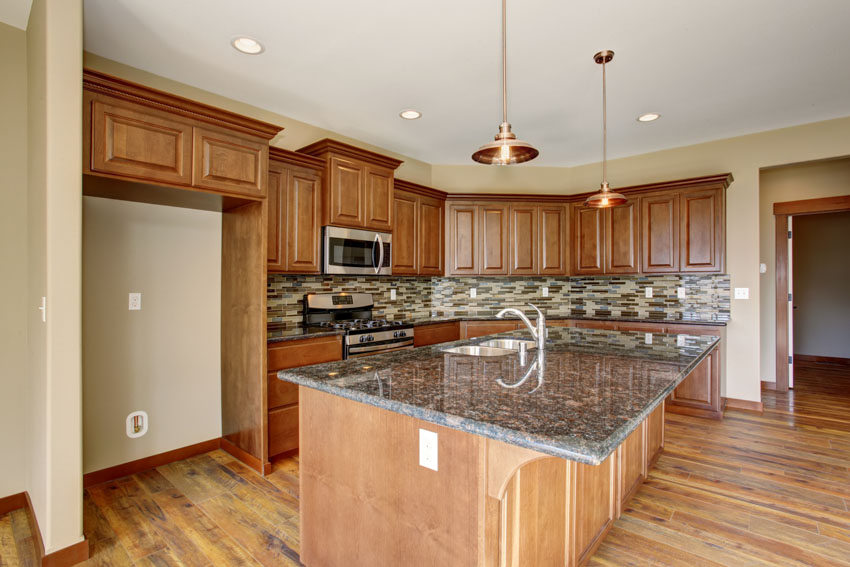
(545, 291)
(680, 293)
(428, 449)
(742, 293)
(648, 292)
(135, 302)
(647, 338)
(392, 294)
(680, 340)
(473, 292)
(137, 424)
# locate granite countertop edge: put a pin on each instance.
(590, 454)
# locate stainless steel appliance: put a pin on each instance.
(352, 313)
(352, 251)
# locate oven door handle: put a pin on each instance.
(380, 242)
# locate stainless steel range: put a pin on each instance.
(352, 313)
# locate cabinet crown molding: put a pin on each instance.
(295, 158)
(95, 81)
(410, 187)
(327, 146)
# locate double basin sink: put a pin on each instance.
(494, 347)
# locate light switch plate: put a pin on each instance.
(392, 294)
(428, 449)
(135, 303)
(473, 292)
(681, 293)
(742, 293)
(545, 291)
(647, 337)
(680, 340)
(648, 292)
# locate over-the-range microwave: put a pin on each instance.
(353, 251)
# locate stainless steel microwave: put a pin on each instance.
(352, 251)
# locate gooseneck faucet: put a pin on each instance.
(539, 333)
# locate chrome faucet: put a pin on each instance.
(539, 333)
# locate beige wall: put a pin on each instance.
(164, 359)
(790, 183)
(743, 156)
(295, 134)
(821, 289)
(13, 258)
(54, 65)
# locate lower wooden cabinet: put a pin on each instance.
(282, 399)
(472, 329)
(425, 335)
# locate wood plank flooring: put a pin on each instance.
(752, 490)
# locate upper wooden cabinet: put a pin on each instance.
(493, 239)
(478, 239)
(418, 232)
(621, 239)
(462, 243)
(660, 232)
(358, 190)
(294, 206)
(701, 230)
(553, 237)
(588, 240)
(137, 133)
(538, 237)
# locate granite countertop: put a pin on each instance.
(670, 320)
(578, 401)
(281, 333)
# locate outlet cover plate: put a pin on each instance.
(742, 293)
(428, 449)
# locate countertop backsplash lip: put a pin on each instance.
(707, 296)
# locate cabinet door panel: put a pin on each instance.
(660, 233)
(281, 393)
(632, 463)
(345, 206)
(404, 234)
(701, 231)
(654, 435)
(430, 234)
(463, 240)
(552, 247)
(621, 239)
(139, 142)
(473, 329)
(283, 430)
(595, 505)
(379, 199)
(425, 335)
(228, 163)
(493, 226)
(524, 240)
(277, 220)
(304, 194)
(588, 249)
(701, 388)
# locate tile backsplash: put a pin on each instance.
(707, 297)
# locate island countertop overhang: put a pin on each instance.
(594, 389)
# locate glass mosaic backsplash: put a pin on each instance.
(707, 297)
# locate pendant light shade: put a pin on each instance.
(605, 198)
(505, 149)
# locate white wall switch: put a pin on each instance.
(135, 302)
(428, 449)
(647, 337)
(742, 293)
(545, 291)
(392, 294)
(648, 292)
(680, 340)
(680, 293)
(473, 292)
(762, 268)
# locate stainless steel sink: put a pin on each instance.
(511, 344)
(479, 351)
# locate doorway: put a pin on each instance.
(809, 216)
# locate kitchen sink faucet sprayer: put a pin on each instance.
(539, 333)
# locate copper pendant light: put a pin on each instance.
(505, 149)
(605, 198)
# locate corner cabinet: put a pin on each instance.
(418, 232)
(294, 213)
(358, 185)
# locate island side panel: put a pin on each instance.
(366, 501)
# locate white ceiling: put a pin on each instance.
(713, 69)
(15, 12)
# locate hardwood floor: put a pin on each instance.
(752, 490)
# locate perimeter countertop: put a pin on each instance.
(579, 400)
(668, 320)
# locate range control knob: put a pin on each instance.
(402, 333)
(362, 338)
(395, 334)
(370, 338)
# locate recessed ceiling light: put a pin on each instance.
(247, 45)
(648, 117)
(410, 114)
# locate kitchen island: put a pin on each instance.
(536, 454)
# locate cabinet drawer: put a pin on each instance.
(134, 141)
(281, 393)
(303, 353)
(472, 329)
(433, 334)
(229, 163)
(283, 430)
(604, 325)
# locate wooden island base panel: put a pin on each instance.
(490, 503)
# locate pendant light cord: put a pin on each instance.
(504, 61)
(604, 130)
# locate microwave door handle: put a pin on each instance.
(381, 250)
(374, 242)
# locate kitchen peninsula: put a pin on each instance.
(536, 453)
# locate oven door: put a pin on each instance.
(352, 251)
